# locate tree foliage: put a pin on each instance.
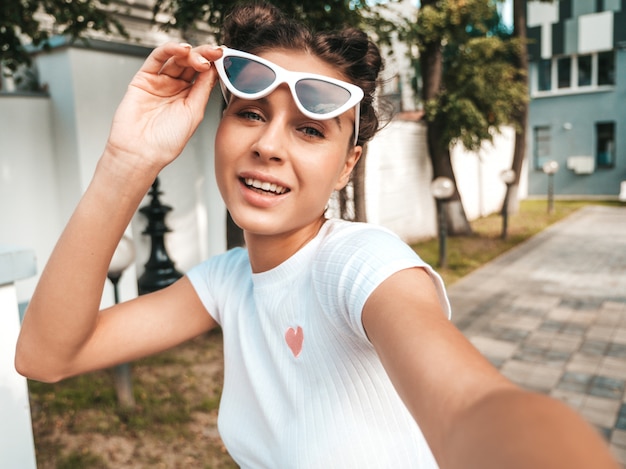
(34, 22)
(477, 92)
(25, 23)
(186, 15)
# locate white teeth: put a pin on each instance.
(265, 186)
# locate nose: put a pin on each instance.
(272, 141)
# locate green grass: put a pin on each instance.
(171, 390)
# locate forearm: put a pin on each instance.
(515, 429)
(63, 311)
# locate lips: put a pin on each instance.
(265, 186)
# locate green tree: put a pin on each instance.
(23, 24)
(469, 83)
(207, 15)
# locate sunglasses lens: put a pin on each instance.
(321, 97)
(248, 76)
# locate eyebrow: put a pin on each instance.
(265, 101)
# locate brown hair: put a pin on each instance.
(259, 26)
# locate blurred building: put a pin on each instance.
(577, 112)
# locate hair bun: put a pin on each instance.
(245, 21)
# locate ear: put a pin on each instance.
(354, 154)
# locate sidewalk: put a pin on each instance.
(551, 315)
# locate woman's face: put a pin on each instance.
(277, 168)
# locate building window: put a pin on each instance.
(605, 144)
(564, 72)
(606, 68)
(576, 73)
(585, 70)
(545, 75)
(542, 146)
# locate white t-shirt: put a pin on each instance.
(303, 386)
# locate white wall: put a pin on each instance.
(29, 192)
(398, 174)
(50, 146)
(478, 174)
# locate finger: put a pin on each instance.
(187, 66)
(201, 57)
(173, 69)
(160, 56)
(201, 90)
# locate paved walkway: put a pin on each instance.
(551, 315)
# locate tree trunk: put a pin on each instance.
(431, 64)
(520, 119)
(456, 218)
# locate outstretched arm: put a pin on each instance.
(470, 415)
(63, 332)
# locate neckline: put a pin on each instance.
(285, 271)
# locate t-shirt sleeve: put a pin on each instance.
(213, 279)
(352, 264)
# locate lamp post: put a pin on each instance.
(122, 258)
(550, 168)
(508, 177)
(442, 189)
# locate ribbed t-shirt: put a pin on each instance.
(303, 386)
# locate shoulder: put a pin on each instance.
(348, 242)
(218, 277)
(353, 259)
(232, 264)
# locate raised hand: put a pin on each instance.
(163, 105)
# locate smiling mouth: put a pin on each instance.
(264, 187)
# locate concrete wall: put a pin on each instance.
(49, 149)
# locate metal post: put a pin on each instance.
(121, 373)
(442, 189)
(122, 258)
(443, 232)
(550, 168)
(505, 215)
(550, 193)
(508, 177)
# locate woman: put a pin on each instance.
(338, 348)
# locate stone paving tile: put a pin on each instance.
(621, 418)
(573, 399)
(618, 438)
(584, 363)
(551, 315)
(613, 367)
(600, 412)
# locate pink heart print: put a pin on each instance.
(294, 340)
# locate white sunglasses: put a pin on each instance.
(317, 96)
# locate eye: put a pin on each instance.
(250, 115)
(312, 132)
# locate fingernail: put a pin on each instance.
(185, 44)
